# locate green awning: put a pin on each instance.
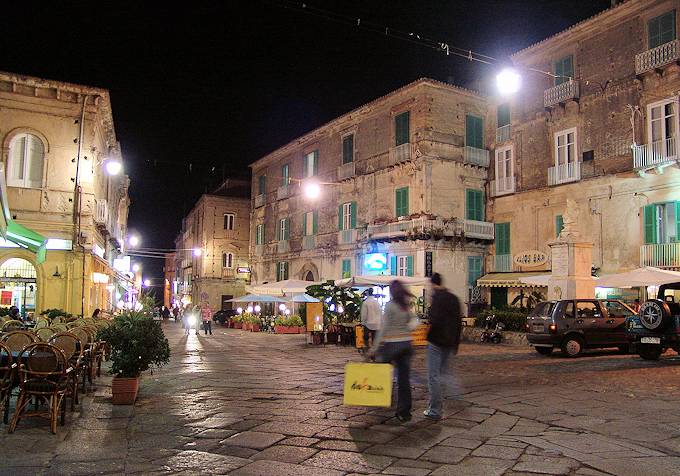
(27, 238)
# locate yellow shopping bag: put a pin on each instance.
(368, 385)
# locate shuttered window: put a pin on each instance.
(347, 216)
(401, 128)
(348, 149)
(503, 115)
(502, 238)
(651, 224)
(285, 175)
(661, 30)
(346, 268)
(311, 164)
(401, 265)
(474, 131)
(401, 200)
(559, 225)
(283, 229)
(564, 69)
(474, 204)
(259, 234)
(474, 270)
(261, 182)
(282, 271)
(309, 223)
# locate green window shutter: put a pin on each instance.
(474, 269)
(401, 201)
(278, 230)
(353, 216)
(559, 224)
(393, 265)
(503, 115)
(304, 166)
(677, 221)
(304, 224)
(286, 235)
(661, 30)
(278, 271)
(346, 268)
(650, 224)
(315, 163)
(401, 128)
(564, 69)
(480, 205)
(409, 265)
(315, 221)
(348, 149)
(469, 204)
(285, 267)
(261, 185)
(340, 217)
(474, 131)
(284, 175)
(474, 205)
(502, 238)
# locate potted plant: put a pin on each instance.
(238, 321)
(253, 323)
(288, 325)
(137, 343)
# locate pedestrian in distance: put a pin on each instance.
(443, 339)
(165, 312)
(95, 313)
(393, 344)
(636, 306)
(187, 317)
(371, 317)
(206, 316)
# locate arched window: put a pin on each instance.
(227, 260)
(26, 159)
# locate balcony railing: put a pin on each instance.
(283, 246)
(347, 236)
(503, 186)
(101, 215)
(400, 153)
(259, 250)
(564, 173)
(657, 57)
(417, 226)
(346, 171)
(662, 255)
(228, 272)
(476, 156)
(502, 263)
(561, 93)
(283, 192)
(657, 153)
(482, 230)
(259, 200)
(309, 242)
(503, 133)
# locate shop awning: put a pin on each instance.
(511, 280)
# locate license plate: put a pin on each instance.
(650, 340)
(538, 328)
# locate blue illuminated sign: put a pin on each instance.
(375, 261)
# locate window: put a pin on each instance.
(504, 165)
(474, 204)
(261, 185)
(661, 30)
(282, 271)
(227, 260)
(401, 265)
(503, 115)
(662, 119)
(569, 310)
(347, 216)
(474, 270)
(283, 229)
(401, 128)
(309, 223)
(662, 223)
(565, 147)
(285, 175)
(474, 131)
(311, 164)
(348, 149)
(26, 160)
(401, 201)
(616, 309)
(228, 221)
(564, 70)
(346, 268)
(587, 310)
(259, 234)
(502, 238)
(559, 225)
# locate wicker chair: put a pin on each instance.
(17, 340)
(44, 333)
(6, 380)
(59, 327)
(12, 325)
(44, 376)
(87, 344)
(41, 323)
(72, 348)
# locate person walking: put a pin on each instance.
(165, 312)
(443, 339)
(187, 317)
(371, 317)
(206, 316)
(393, 344)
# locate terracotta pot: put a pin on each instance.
(254, 328)
(287, 330)
(238, 325)
(124, 390)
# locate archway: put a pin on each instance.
(309, 272)
(18, 285)
(309, 276)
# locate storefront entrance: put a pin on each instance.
(499, 298)
(18, 286)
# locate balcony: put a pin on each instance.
(346, 237)
(228, 272)
(259, 200)
(662, 255)
(564, 173)
(417, 228)
(659, 153)
(309, 242)
(399, 154)
(346, 171)
(561, 93)
(284, 191)
(503, 134)
(259, 250)
(657, 57)
(502, 263)
(503, 186)
(475, 156)
(283, 246)
(482, 230)
(101, 215)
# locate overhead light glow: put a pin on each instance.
(508, 81)
(197, 252)
(135, 268)
(312, 190)
(113, 167)
(133, 240)
(147, 282)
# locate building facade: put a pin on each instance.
(211, 257)
(401, 191)
(41, 139)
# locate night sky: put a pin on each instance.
(220, 84)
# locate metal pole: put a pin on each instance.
(77, 207)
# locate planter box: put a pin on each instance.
(289, 330)
(254, 327)
(124, 390)
(238, 325)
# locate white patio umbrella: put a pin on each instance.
(381, 280)
(255, 298)
(300, 298)
(640, 277)
(281, 288)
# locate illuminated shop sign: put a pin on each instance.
(375, 261)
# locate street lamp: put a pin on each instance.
(136, 267)
(133, 240)
(312, 190)
(197, 252)
(147, 282)
(508, 81)
(113, 166)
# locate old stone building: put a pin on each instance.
(211, 251)
(599, 126)
(400, 185)
(44, 127)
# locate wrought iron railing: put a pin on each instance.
(564, 173)
(503, 133)
(476, 156)
(654, 153)
(657, 57)
(561, 93)
(662, 255)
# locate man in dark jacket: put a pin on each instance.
(443, 338)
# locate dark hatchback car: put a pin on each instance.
(223, 316)
(578, 324)
(657, 327)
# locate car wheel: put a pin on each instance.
(654, 314)
(544, 350)
(572, 346)
(650, 351)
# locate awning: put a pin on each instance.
(281, 288)
(640, 277)
(511, 280)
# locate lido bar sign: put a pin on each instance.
(531, 258)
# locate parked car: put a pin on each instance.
(657, 326)
(223, 315)
(577, 324)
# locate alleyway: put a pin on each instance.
(247, 404)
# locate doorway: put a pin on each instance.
(18, 286)
(499, 298)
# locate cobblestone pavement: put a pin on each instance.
(256, 404)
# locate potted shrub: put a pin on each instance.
(253, 323)
(288, 325)
(137, 343)
(238, 321)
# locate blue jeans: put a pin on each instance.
(399, 353)
(437, 359)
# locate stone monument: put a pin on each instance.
(571, 261)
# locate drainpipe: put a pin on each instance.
(77, 206)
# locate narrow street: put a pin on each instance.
(250, 403)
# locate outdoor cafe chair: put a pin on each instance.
(44, 333)
(85, 337)
(42, 323)
(12, 325)
(72, 348)
(17, 340)
(59, 327)
(43, 374)
(6, 380)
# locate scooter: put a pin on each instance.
(494, 334)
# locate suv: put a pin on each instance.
(576, 324)
(657, 326)
(223, 316)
